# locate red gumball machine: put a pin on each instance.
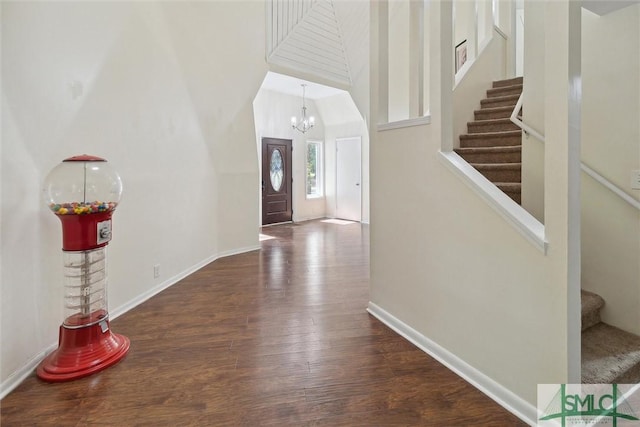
(83, 191)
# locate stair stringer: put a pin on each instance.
(518, 218)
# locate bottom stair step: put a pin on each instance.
(610, 355)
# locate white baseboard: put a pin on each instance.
(231, 252)
(19, 375)
(307, 218)
(496, 391)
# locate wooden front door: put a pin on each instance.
(276, 181)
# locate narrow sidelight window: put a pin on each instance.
(314, 169)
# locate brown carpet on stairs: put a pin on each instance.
(493, 144)
(609, 355)
(591, 305)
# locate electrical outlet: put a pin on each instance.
(635, 179)
(156, 271)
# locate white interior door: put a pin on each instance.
(348, 178)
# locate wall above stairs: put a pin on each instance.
(471, 86)
(611, 145)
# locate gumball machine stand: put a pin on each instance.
(83, 191)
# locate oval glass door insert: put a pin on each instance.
(276, 170)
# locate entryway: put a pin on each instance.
(336, 117)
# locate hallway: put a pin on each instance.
(279, 337)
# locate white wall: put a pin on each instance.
(273, 111)
(464, 23)
(485, 21)
(505, 21)
(519, 35)
(445, 264)
(611, 146)
(150, 87)
(533, 110)
(475, 82)
(399, 70)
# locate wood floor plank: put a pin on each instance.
(276, 337)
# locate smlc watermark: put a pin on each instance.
(566, 405)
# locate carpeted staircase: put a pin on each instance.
(609, 355)
(493, 144)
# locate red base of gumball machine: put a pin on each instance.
(82, 352)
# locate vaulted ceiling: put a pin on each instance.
(323, 38)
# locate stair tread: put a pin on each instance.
(490, 121)
(493, 112)
(494, 109)
(499, 134)
(511, 86)
(509, 166)
(507, 82)
(500, 89)
(610, 355)
(496, 149)
(513, 186)
(500, 98)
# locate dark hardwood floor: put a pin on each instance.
(272, 337)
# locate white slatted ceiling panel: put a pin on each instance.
(305, 35)
(353, 17)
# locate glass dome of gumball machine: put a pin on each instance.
(83, 192)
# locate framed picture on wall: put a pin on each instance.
(461, 54)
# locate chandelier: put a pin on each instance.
(305, 123)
